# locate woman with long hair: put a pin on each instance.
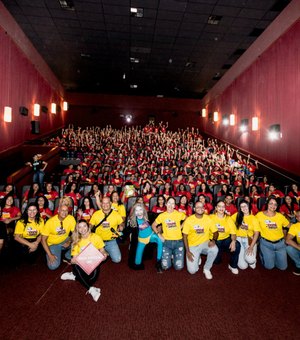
(247, 234)
(28, 233)
(43, 206)
(86, 209)
(272, 231)
(138, 219)
(82, 237)
(227, 239)
(173, 249)
(288, 208)
(117, 204)
(160, 205)
(33, 192)
(184, 206)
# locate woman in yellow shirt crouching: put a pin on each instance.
(247, 232)
(81, 238)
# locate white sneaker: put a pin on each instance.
(200, 260)
(95, 292)
(253, 265)
(68, 276)
(207, 274)
(234, 271)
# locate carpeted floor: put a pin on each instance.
(256, 304)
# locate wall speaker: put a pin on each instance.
(35, 127)
(44, 109)
(23, 110)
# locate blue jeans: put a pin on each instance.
(38, 177)
(203, 248)
(294, 254)
(56, 249)
(113, 250)
(175, 249)
(223, 245)
(273, 254)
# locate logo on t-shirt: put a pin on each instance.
(105, 224)
(60, 230)
(220, 228)
(31, 231)
(198, 229)
(244, 226)
(170, 224)
(270, 224)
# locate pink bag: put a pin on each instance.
(89, 258)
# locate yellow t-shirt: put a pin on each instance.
(104, 229)
(171, 224)
(56, 232)
(96, 241)
(295, 231)
(31, 230)
(198, 230)
(225, 226)
(249, 225)
(119, 208)
(271, 227)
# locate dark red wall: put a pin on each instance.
(269, 89)
(100, 110)
(21, 84)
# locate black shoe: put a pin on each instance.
(159, 267)
(137, 267)
(296, 271)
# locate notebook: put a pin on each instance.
(89, 258)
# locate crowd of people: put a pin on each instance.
(188, 195)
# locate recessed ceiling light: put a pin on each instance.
(67, 4)
(134, 60)
(214, 19)
(137, 12)
(133, 86)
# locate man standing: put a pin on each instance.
(199, 236)
(56, 237)
(108, 224)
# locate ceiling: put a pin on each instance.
(177, 48)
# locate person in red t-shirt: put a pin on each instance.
(230, 208)
(160, 207)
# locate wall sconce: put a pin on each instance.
(232, 120)
(274, 132)
(244, 125)
(203, 113)
(7, 114)
(225, 120)
(65, 106)
(254, 123)
(216, 116)
(53, 108)
(36, 109)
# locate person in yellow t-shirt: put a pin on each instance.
(227, 237)
(81, 238)
(56, 237)
(293, 242)
(247, 233)
(110, 228)
(171, 226)
(28, 233)
(197, 230)
(117, 205)
(272, 244)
